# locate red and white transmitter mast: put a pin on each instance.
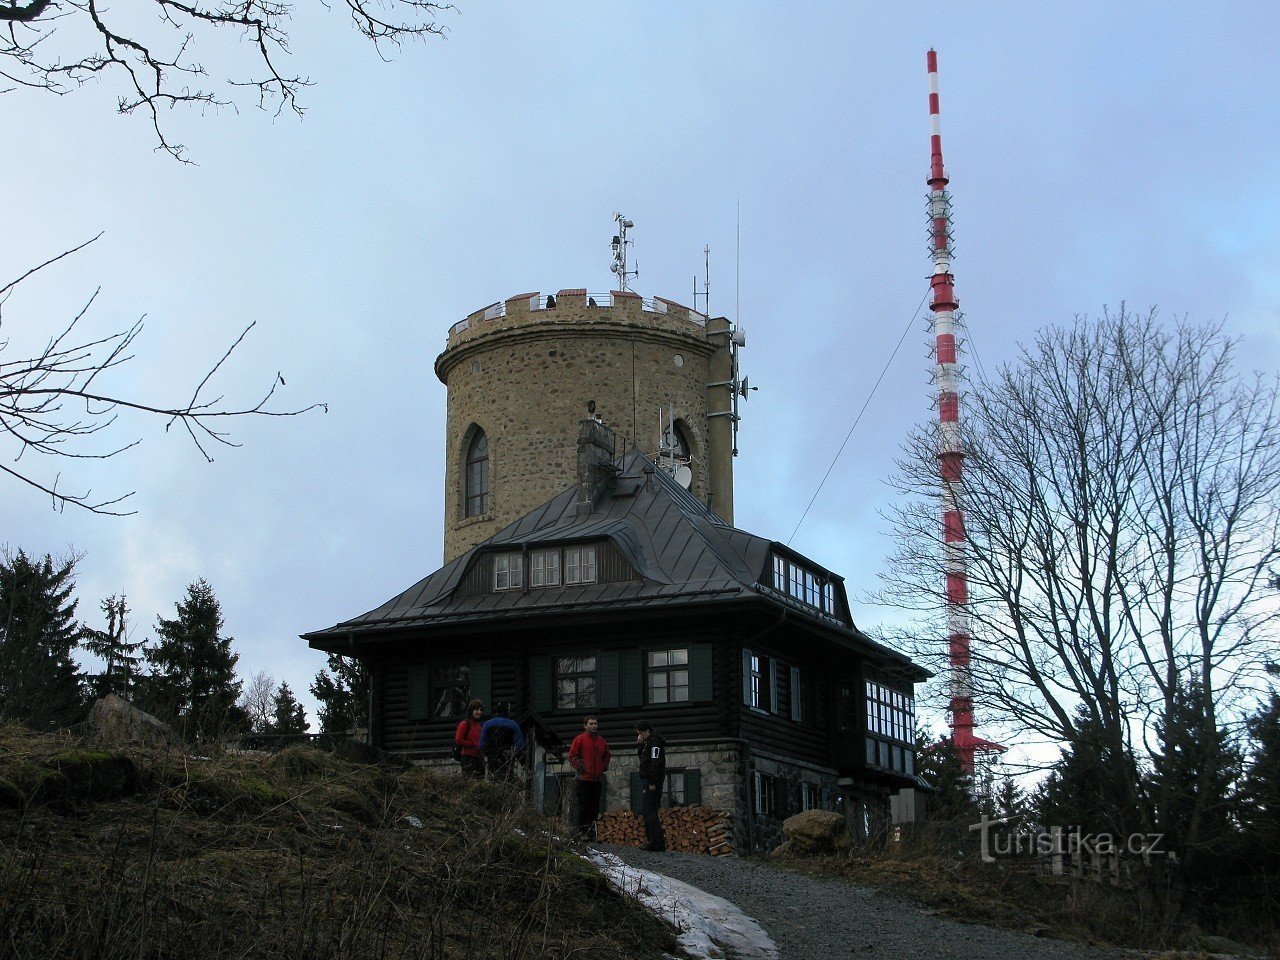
(946, 318)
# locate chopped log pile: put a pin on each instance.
(687, 829)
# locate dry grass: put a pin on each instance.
(148, 853)
(927, 869)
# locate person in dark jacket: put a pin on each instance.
(589, 757)
(500, 741)
(652, 752)
(467, 739)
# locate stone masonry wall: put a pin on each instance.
(526, 379)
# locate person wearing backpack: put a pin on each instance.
(589, 757)
(652, 754)
(500, 740)
(466, 742)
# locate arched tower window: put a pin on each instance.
(476, 476)
(680, 442)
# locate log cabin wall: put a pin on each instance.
(789, 665)
(522, 670)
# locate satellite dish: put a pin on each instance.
(684, 476)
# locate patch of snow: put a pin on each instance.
(710, 927)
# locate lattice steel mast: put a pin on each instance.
(946, 319)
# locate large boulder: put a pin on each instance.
(114, 720)
(815, 831)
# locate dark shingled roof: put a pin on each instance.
(684, 553)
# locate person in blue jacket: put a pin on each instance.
(500, 741)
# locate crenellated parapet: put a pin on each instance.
(578, 306)
(522, 372)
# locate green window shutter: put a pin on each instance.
(700, 672)
(796, 709)
(693, 788)
(607, 679)
(746, 676)
(637, 793)
(418, 692)
(541, 682)
(482, 681)
(632, 678)
(773, 685)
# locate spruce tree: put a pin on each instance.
(938, 764)
(289, 717)
(40, 684)
(1193, 777)
(343, 693)
(193, 667)
(120, 656)
(1092, 786)
(1260, 792)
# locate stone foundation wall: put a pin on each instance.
(790, 778)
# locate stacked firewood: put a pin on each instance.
(687, 829)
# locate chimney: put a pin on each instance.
(596, 471)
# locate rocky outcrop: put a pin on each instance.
(814, 832)
(114, 720)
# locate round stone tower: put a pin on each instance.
(523, 372)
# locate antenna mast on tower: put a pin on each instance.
(620, 244)
(946, 319)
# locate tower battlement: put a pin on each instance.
(522, 372)
(578, 305)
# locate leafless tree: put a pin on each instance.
(59, 404)
(58, 45)
(1122, 492)
(257, 699)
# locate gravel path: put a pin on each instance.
(813, 919)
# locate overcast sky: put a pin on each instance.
(1098, 153)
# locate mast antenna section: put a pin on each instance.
(620, 244)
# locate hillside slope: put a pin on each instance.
(150, 853)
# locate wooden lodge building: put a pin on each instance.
(626, 597)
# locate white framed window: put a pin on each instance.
(675, 788)
(575, 683)
(544, 568)
(508, 571)
(668, 675)
(580, 564)
(766, 794)
(810, 796)
(761, 683)
(810, 587)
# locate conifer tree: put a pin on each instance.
(289, 717)
(1193, 777)
(343, 693)
(120, 656)
(1009, 802)
(1092, 786)
(40, 684)
(939, 765)
(1260, 792)
(193, 667)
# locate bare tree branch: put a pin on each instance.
(1122, 498)
(52, 405)
(153, 54)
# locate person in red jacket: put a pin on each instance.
(467, 740)
(589, 757)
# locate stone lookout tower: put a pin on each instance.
(522, 373)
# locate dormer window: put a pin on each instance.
(508, 571)
(580, 564)
(544, 568)
(810, 587)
